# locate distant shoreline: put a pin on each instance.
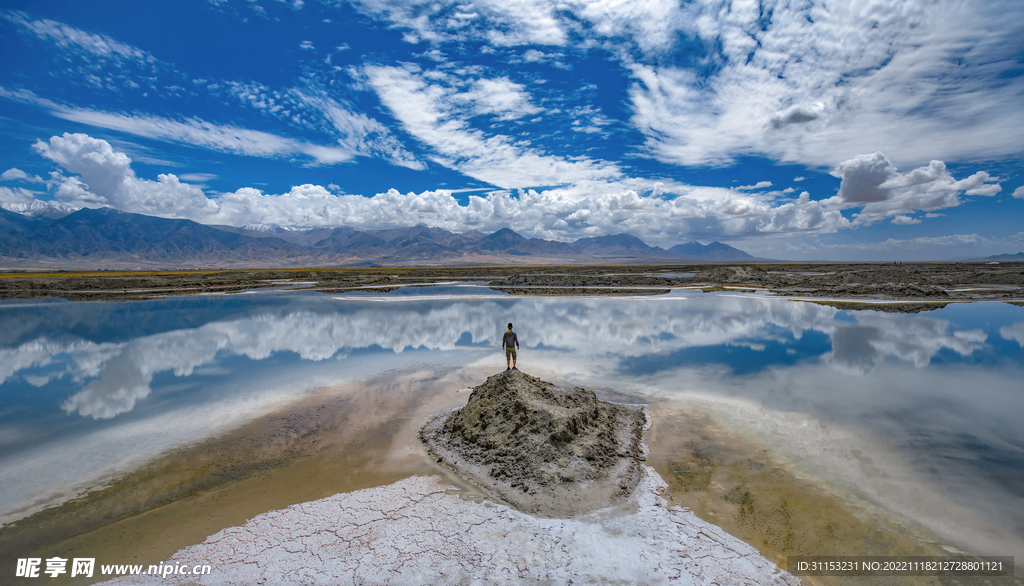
(879, 286)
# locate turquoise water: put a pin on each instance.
(881, 404)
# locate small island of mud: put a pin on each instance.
(547, 450)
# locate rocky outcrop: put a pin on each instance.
(547, 450)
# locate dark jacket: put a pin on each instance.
(510, 340)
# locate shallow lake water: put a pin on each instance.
(915, 416)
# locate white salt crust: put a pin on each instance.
(416, 531)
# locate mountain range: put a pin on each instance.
(108, 237)
(1005, 257)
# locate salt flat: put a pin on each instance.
(419, 531)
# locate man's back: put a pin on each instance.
(510, 340)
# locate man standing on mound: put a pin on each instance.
(510, 341)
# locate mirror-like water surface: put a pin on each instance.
(919, 413)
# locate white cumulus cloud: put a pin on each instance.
(872, 183)
(656, 211)
(905, 220)
(105, 178)
(16, 174)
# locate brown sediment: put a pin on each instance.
(341, 439)
(906, 307)
(545, 449)
(729, 480)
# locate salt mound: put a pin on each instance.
(547, 450)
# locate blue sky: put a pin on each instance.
(793, 130)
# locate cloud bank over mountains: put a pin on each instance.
(101, 176)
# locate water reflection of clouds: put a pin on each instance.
(1014, 333)
(120, 374)
(945, 434)
(915, 339)
(33, 354)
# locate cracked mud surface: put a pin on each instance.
(547, 450)
(417, 532)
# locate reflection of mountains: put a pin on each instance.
(316, 329)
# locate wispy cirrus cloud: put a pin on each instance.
(315, 110)
(500, 23)
(69, 37)
(362, 135)
(91, 60)
(204, 134)
(651, 25)
(353, 133)
(435, 115)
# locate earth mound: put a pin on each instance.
(547, 450)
